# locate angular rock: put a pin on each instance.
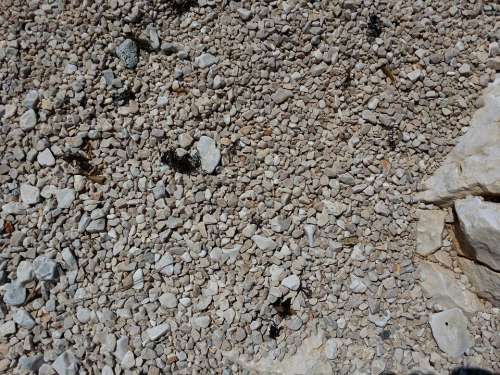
(430, 228)
(14, 294)
(32, 363)
(480, 230)
(127, 52)
(45, 158)
(24, 319)
(65, 198)
(450, 331)
(209, 154)
(485, 281)
(292, 282)
(168, 300)
(264, 243)
(28, 120)
(31, 99)
(281, 95)
(154, 38)
(156, 332)
(357, 285)
(473, 166)
(7, 328)
(96, 226)
(199, 322)
(66, 364)
(30, 194)
(206, 60)
(25, 272)
(445, 290)
(45, 268)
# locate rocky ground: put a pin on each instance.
(221, 187)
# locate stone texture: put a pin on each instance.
(445, 290)
(30, 194)
(480, 230)
(430, 228)
(450, 330)
(485, 281)
(127, 52)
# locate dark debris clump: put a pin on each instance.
(185, 164)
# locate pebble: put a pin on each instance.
(206, 60)
(264, 243)
(295, 323)
(168, 300)
(32, 363)
(28, 120)
(65, 198)
(45, 268)
(46, 159)
(25, 272)
(14, 294)
(30, 195)
(31, 99)
(291, 282)
(66, 364)
(209, 154)
(127, 52)
(8, 328)
(155, 333)
(23, 319)
(357, 285)
(281, 95)
(200, 322)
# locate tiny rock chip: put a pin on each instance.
(281, 95)
(46, 159)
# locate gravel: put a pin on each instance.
(309, 157)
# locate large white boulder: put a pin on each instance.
(480, 230)
(473, 166)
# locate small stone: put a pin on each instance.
(154, 39)
(96, 226)
(206, 60)
(32, 363)
(65, 198)
(464, 69)
(450, 331)
(281, 95)
(357, 285)
(309, 229)
(156, 332)
(25, 272)
(414, 75)
(168, 48)
(29, 194)
(331, 348)
(66, 364)
(45, 268)
(219, 82)
(264, 243)
(138, 279)
(209, 154)
(292, 282)
(185, 140)
(69, 259)
(127, 52)
(31, 99)
(199, 322)
(294, 323)
(381, 209)
(83, 314)
(8, 328)
(168, 300)
(106, 370)
(79, 182)
(28, 120)
(245, 14)
(128, 360)
(24, 319)
(15, 294)
(46, 159)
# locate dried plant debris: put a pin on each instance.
(123, 97)
(181, 6)
(274, 331)
(346, 82)
(8, 227)
(185, 164)
(283, 307)
(388, 72)
(79, 161)
(374, 26)
(141, 43)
